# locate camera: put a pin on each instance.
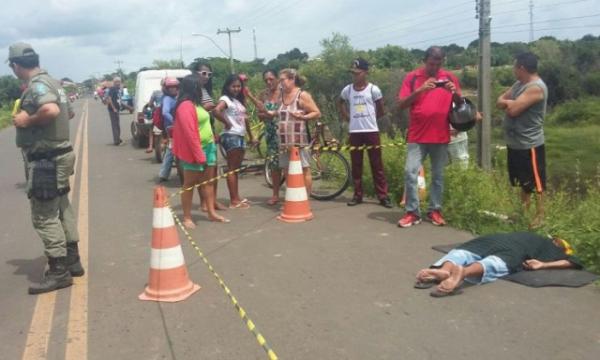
(441, 83)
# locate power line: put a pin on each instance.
(551, 28)
(539, 7)
(271, 12)
(545, 21)
(414, 19)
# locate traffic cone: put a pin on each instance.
(296, 207)
(168, 279)
(421, 186)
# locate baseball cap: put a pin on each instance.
(359, 64)
(19, 50)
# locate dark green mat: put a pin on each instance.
(540, 278)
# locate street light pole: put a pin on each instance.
(214, 43)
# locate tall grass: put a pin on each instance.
(5, 117)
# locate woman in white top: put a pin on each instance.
(231, 111)
(296, 106)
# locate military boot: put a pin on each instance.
(57, 277)
(73, 263)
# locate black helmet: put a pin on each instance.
(462, 116)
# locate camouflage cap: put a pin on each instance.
(19, 50)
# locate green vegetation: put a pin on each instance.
(5, 118)
(571, 69)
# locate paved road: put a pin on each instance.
(338, 287)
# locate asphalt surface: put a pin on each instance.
(337, 287)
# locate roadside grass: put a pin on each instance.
(479, 201)
(4, 117)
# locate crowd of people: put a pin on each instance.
(188, 113)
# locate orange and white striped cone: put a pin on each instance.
(168, 280)
(296, 207)
(421, 186)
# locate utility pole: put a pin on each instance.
(531, 21)
(119, 62)
(228, 31)
(484, 129)
(254, 38)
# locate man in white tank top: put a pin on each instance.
(361, 103)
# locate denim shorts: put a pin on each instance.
(493, 266)
(231, 142)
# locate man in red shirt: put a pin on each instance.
(429, 92)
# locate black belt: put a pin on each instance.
(49, 154)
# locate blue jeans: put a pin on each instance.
(415, 156)
(493, 266)
(167, 164)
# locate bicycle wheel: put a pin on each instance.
(267, 173)
(330, 174)
(160, 146)
(261, 148)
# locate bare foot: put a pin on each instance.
(189, 224)
(433, 274)
(219, 206)
(457, 276)
(273, 200)
(536, 223)
(203, 209)
(218, 218)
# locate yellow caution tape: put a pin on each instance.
(242, 313)
(16, 107)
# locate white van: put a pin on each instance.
(146, 83)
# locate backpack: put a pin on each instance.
(157, 118)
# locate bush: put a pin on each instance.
(576, 112)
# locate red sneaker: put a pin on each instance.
(409, 219)
(436, 218)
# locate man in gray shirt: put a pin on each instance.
(525, 107)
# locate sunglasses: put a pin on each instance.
(11, 65)
(206, 73)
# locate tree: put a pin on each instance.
(392, 56)
(291, 59)
(168, 64)
(10, 89)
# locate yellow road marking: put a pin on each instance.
(77, 326)
(36, 345)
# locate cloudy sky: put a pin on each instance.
(84, 38)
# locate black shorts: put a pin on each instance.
(527, 168)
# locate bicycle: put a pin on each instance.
(329, 168)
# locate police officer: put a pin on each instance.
(42, 127)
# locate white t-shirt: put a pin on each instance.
(236, 114)
(363, 114)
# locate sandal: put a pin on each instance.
(241, 205)
(148, 151)
(222, 220)
(425, 283)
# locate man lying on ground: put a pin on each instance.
(487, 258)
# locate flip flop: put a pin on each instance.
(245, 201)
(437, 293)
(425, 283)
(148, 151)
(241, 205)
(223, 220)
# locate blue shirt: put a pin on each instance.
(168, 104)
